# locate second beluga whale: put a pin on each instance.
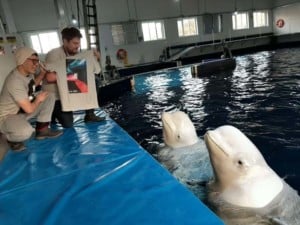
(245, 190)
(184, 154)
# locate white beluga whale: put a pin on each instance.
(245, 190)
(185, 154)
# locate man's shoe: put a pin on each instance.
(16, 146)
(93, 118)
(47, 133)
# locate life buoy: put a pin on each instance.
(280, 23)
(121, 54)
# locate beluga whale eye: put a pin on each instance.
(240, 163)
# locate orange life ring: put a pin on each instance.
(121, 54)
(280, 23)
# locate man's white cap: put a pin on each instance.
(22, 54)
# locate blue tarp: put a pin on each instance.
(93, 174)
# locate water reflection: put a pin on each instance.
(158, 96)
(260, 97)
(192, 99)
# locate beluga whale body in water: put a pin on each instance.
(184, 154)
(245, 190)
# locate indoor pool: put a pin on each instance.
(261, 97)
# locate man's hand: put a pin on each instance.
(42, 96)
(51, 77)
(38, 78)
(97, 54)
(29, 107)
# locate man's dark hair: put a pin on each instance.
(69, 33)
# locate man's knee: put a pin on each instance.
(50, 100)
(22, 134)
(27, 133)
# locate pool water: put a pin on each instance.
(261, 97)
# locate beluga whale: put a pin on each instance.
(184, 154)
(245, 190)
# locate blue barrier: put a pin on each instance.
(93, 174)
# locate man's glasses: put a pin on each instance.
(34, 61)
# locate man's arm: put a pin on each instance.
(96, 62)
(38, 78)
(53, 56)
(30, 107)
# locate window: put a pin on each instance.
(240, 21)
(125, 33)
(212, 23)
(153, 30)
(117, 32)
(83, 40)
(260, 18)
(187, 27)
(44, 42)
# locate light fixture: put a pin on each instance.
(74, 20)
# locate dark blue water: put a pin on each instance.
(261, 97)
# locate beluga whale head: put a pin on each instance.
(241, 175)
(178, 129)
(184, 154)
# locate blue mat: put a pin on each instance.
(93, 174)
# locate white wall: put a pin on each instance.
(7, 64)
(32, 15)
(169, 11)
(290, 15)
(41, 15)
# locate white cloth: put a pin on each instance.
(76, 81)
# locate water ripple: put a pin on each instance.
(261, 97)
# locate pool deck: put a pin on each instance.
(93, 174)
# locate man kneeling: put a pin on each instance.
(19, 102)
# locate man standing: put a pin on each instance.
(19, 102)
(71, 43)
(226, 51)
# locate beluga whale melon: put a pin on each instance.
(184, 154)
(245, 190)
